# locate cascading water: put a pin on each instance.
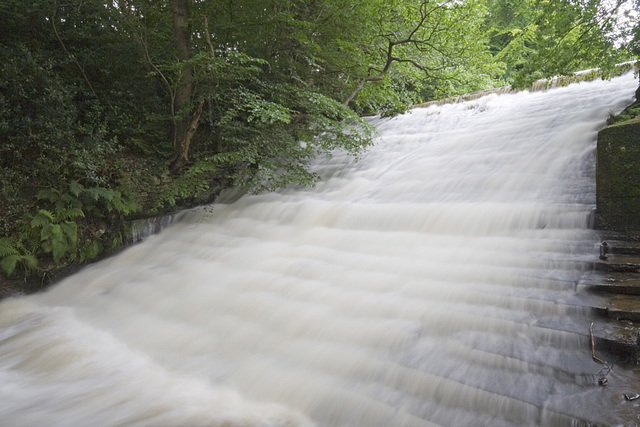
(424, 284)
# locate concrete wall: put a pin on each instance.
(618, 177)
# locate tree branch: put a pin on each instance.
(412, 38)
(208, 37)
(64, 47)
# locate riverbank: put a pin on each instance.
(145, 198)
(104, 230)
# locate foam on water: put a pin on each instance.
(406, 289)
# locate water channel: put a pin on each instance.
(425, 283)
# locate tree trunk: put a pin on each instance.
(390, 60)
(185, 120)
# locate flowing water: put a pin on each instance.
(425, 283)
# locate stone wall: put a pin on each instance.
(618, 178)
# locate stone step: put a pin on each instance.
(628, 287)
(616, 277)
(613, 282)
(614, 305)
(623, 247)
(616, 339)
(624, 307)
(619, 339)
(619, 263)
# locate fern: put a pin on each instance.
(89, 251)
(70, 213)
(118, 203)
(54, 241)
(70, 230)
(8, 264)
(42, 218)
(76, 188)
(29, 261)
(12, 254)
(57, 237)
(50, 194)
(55, 230)
(112, 200)
(7, 248)
(97, 193)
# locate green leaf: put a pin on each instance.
(54, 241)
(70, 230)
(76, 188)
(90, 250)
(42, 218)
(8, 264)
(50, 194)
(7, 248)
(30, 262)
(98, 193)
(70, 213)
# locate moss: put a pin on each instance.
(627, 119)
(629, 113)
(618, 177)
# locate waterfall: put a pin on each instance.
(427, 282)
(143, 228)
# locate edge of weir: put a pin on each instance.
(538, 86)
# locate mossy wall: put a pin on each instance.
(618, 177)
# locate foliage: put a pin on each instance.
(56, 230)
(544, 38)
(13, 254)
(58, 233)
(98, 99)
(631, 112)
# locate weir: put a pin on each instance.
(433, 281)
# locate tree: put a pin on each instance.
(108, 104)
(542, 38)
(633, 30)
(432, 37)
(63, 120)
(187, 119)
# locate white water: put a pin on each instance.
(410, 288)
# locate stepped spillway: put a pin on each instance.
(433, 281)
